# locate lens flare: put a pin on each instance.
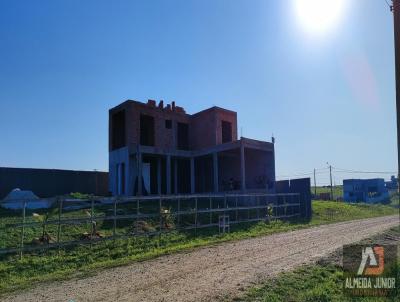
(318, 16)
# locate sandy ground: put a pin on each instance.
(210, 273)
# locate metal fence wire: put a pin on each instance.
(128, 217)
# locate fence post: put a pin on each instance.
(236, 205)
(92, 221)
(179, 212)
(115, 218)
(210, 209)
(265, 208)
(248, 211)
(161, 222)
(22, 229)
(285, 204)
(135, 222)
(258, 207)
(137, 216)
(299, 204)
(224, 208)
(195, 217)
(60, 205)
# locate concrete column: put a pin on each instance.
(140, 177)
(132, 176)
(242, 168)
(159, 175)
(168, 174)
(176, 176)
(192, 176)
(215, 168)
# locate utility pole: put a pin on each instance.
(396, 21)
(315, 186)
(330, 173)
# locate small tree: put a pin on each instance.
(43, 219)
(94, 232)
(270, 213)
(167, 218)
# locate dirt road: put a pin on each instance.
(210, 273)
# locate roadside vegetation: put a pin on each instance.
(338, 194)
(337, 190)
(322, 282)
(394, 200)
(78, 261)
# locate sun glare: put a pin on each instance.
(318, 16)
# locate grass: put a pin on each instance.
(315, 283)
(79, 261)
(394, 199)
(331, 211)
(337, 190)
(320, 283)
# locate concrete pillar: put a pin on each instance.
(159, 175)
(176, 176)
(242, 168)
(131, 178)
(140, 177)
(215, 168)
(168, 174)
(192, 176)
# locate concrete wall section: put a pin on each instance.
(51, 182)
(229, 170)
(303, 186)
(260, 172)
(282, 186)
(117, 157)
(204, 174)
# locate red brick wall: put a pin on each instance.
(204, 127)
(206, 130)
(228, 116)
(202, 130)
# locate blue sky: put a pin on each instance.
(329, 97)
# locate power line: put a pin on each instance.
(292, 175)
(318, 171)
(389, 5)
(361, 172)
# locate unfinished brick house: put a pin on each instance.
(163, 150)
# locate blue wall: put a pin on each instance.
(365, 190)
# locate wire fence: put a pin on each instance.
(87, 221)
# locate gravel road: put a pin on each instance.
(210, 273)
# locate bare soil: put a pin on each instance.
(211, 273)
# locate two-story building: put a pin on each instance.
(157, 149)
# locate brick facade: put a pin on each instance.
(204, 127)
